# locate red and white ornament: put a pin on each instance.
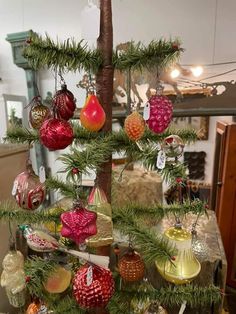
(78, 224)
(28, 191)
(64, 103)
(93, 286)
(161, 109)
(56, 134)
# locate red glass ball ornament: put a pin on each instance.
(64, 103)
(78, 224)
(161, 109)
(93, 286)
(30, 192)
(131, 266)
(56, 134)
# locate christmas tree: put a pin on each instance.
(87, 281)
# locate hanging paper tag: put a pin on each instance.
(14, 188)
(161, 159)
(90, 22)
(90, 275)
(146, 111)
(42, 174)
(183, 307)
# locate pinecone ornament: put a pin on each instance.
(134, 126)
(131, 266)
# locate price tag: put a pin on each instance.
(90, 21)
(42, 174)
(183, 307)
(161, 159)
(90, 275)
(14, 188)
(146, 111)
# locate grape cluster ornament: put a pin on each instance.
(160, 112)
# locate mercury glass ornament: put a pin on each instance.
(155, 308)
(38, 113)
(173, 146)
(199, 246)
(131, 266)
(184, 267)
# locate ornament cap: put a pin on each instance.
(178, 234)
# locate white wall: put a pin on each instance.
(207, 35)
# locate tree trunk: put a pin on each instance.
(105, 85)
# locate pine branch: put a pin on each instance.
(157, 248)
(67, 55)
(67, 189)
(9, 211)
(17, 134)
(38, 270)
(175, 295)
(66, 305)
(117, 305)
(157, 54)
(72, 56)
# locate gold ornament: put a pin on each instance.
(184, 267)
(38, 113)
(58, 208)
(97, 202)
(58, 281)
(13, 278)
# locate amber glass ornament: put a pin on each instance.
(29, 191)
(97, 202)
(131, 266)
(38, 113)
(134, 126)
(93, 286)
(184, 267)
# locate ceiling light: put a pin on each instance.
(174, 73)
(197, 71)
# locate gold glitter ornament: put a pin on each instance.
(184, 267)
(38, 113)
(97, 202)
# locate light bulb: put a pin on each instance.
(197, 71)
(174, 73)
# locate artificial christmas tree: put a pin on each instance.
(93, 283)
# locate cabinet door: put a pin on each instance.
(224, 187)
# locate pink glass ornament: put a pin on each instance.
(161, 109)
(56, 134)
(93, 286)
(78, 224)
(30, 193)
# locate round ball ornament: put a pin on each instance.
(173, 146)
(64, 103)
(93, 286)
(28, 191)
(161, 110)
(56, 134)
(38, 113)
(134, 126)
(131, 266)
